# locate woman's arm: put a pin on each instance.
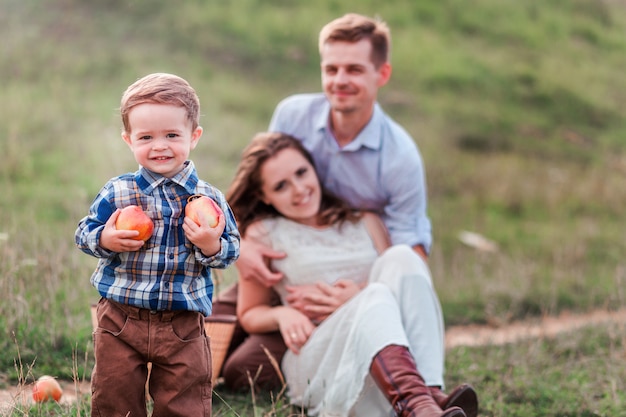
(254, 298)
(377, 231)
(253, 307)
(380, 236)
(257, 315)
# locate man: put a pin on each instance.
(363, 156)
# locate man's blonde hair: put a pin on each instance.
(354, 27)
(161, 88)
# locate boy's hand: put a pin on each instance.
(119, 240)
(205, 237)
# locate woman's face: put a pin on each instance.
(290, 184)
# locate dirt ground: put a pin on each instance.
(546, 327)
(473, 335)
(14, 396)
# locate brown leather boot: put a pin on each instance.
(462, 396)
(394, 371)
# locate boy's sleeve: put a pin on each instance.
(87, 235)
(229, 240)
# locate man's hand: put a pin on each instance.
(321, 300)
(252, 263)
(119, 240)
(298, 297)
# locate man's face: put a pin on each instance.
(349, 78)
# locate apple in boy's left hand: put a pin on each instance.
(204, 224)
(201, 205)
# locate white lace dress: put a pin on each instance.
(330, 376)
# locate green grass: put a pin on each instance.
(518, 109)
(577, 374)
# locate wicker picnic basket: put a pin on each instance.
(219, 328)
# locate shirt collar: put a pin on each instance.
(369, 137)
(186, 178)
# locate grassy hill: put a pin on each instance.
(518, 108)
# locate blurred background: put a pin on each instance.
(519, 110)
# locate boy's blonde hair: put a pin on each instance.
(354, 27)
(161, 88)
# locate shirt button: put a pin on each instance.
(171, 256)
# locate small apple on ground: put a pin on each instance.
(47, 388)
(134, 218)
(197, 204)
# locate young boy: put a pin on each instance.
(155, 294)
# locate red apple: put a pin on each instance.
(198, 205)
(47, 388)
(134, 218)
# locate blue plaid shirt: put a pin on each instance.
(168, 272)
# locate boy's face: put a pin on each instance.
(161, 137)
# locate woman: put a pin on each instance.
(356, 358)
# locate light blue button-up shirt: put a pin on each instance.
(381, 170)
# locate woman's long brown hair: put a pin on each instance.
(244, 194)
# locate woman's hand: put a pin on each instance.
(295, 327)
(321, 300)
(298, 297)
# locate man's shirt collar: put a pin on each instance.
(369, 137)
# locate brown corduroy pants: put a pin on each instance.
(127, 339)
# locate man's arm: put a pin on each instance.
(405, 214)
